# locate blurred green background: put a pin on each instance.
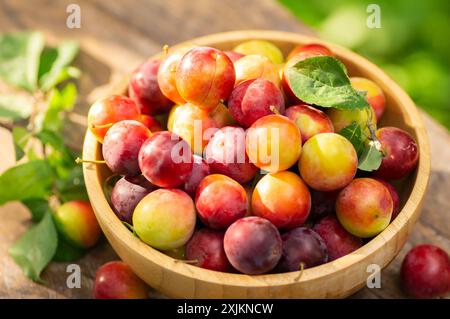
(412, 44)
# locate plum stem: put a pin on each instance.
(79, 161)
(302, 268)
(190, 262)
(107, 125)
(166, 49)
(274, 110)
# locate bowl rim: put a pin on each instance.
(104, 212)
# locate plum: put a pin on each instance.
(220, 201)
(205, 76)
(253, 245)
(121, 146)
(302, 248)
(425, 272)
(374, 94)
(76, 221)
(311, 47)
(256, 66)
(282, 198)
(193, 124)
(253, 99)
(273, 143)
(309, 120)
(200, 169)
(116, 280)
(364, 207)
(395, 199)
(127, 193)
(107, 111)
(143, 88)
(401, 153)
(165, 159)
(322, 203)
(165, 219)
(167, 74)
(225, 154)
(151, 123)
(206, 247)
(328, 162)
(339, 242)
(261, 47)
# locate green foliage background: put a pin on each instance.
(412, 44)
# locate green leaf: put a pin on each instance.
(15, 107)
(67, 252)
(19, 58)
(29, 180)
(38, 207)
(322, 81)
(60, 102)
(36, 248)
(72, 187)
(370, 159)
(20, 140)
(355, 134)
(54, 62)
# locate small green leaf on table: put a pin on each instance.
(38, 207)
(29, 180)
(371, 158)
(65, 252)
(323, 81)
(19, 58)
(36, 248)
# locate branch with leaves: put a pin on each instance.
(36, 93)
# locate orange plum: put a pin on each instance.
(364, 207)
(205, 76)
(312, 47)
(167, 74)
(375, 95)
(193, 124)
(309, 120)
(108, 111)
(256, 66)
(342, 118)
(282, 198)
(220, 201)
(273, 143)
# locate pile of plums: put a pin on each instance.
(223, 166)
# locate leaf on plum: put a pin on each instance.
(323, 81)
(370, 159)
(355, 134)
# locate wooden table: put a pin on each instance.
(115, 36)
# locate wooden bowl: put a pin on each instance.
(336, 279)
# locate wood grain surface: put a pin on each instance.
(115, 36)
